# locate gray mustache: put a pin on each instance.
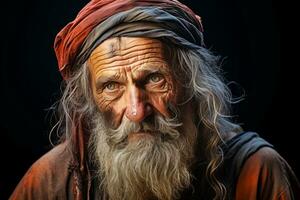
(165, 128)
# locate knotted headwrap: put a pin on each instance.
(102, 19)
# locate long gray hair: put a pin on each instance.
(198, 71)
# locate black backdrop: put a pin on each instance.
(246, 33)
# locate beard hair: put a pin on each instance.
(155, 167)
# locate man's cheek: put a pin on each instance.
(107, 109)
(111, 118)
(114, 113)
(160, 102)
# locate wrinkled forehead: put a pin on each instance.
(118, 46)
(128, 52)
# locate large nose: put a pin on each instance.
(137, 108)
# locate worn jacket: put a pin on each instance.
(252, 170)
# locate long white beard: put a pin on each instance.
(155, 167)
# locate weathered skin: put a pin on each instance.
(129, 76)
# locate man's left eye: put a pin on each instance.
(155, 78)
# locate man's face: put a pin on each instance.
(143, 150)
(130, 77)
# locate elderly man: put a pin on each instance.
(145, 115)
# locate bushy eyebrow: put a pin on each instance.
(149, 69)
(144, 73)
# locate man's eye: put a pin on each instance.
(111, 86)
(155, 78)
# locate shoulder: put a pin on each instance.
(264, 158)
(266, 175)
(263, 164)
(55, 157)
(51, 163)
(45, 176)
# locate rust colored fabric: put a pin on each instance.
(49, 178)
(267, 176)
(69, 40)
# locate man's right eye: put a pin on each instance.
(111, 86)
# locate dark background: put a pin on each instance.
(246, 33)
